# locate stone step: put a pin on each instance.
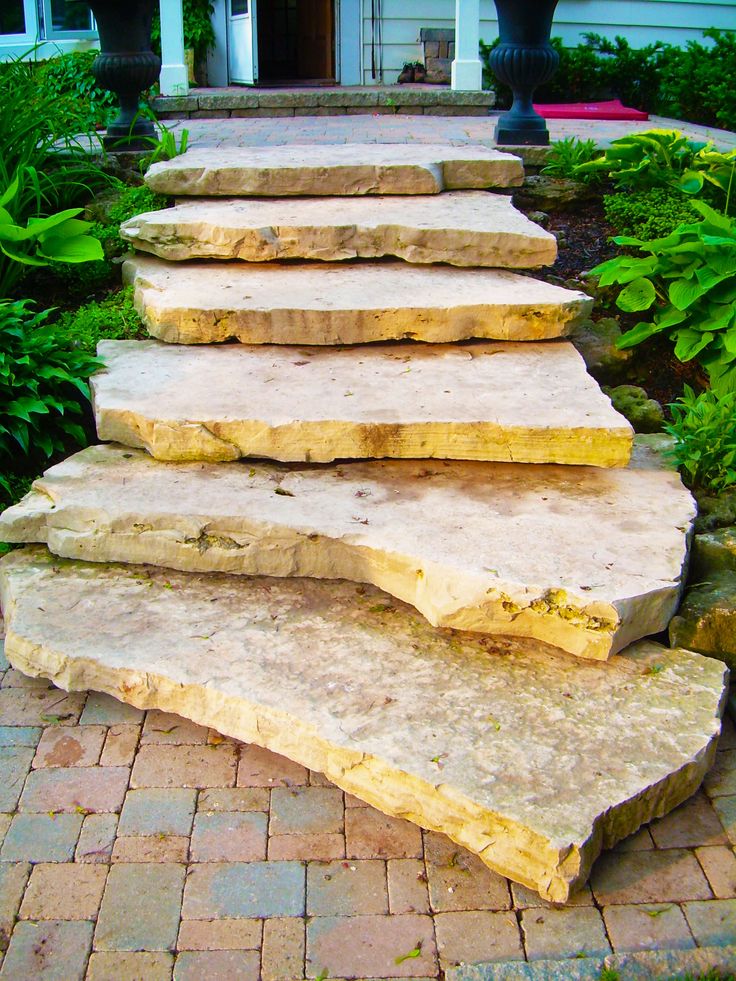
(585, 559)
(526, 403)
(462, 228)
(345, 303)
(533, 766)
(325, 169)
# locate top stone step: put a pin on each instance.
(340, 169)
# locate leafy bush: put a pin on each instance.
(131, 201)
(113, 318)
(689, 277)
(68, 77)
(43, 388)
(648, 214)
(665, 158)
(696, 82)
(13, 486)
(704, 429)
(568, 154)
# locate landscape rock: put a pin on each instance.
(271, 303)
(533, 766)
(333, 169)
(706, 621)
(583, 558)
(645, 414)
(715, 510)
(527, 403)
(543, 193)
(596, 341)
(713, 551)
(462, 228)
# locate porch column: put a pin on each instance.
(467, 71)
(174, 78)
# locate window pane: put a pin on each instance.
(70, 16)
(238, 7)
(12, 18)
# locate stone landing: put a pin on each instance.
(462, 228)
(526, 403)
(534, 767)
(582, 558)
(349, 303)
(354, 169)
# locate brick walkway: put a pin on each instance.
(138, 844)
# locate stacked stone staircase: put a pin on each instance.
(390, 527)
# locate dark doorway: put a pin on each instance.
(296, 42)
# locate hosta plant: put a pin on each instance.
(43, 388)
(704, 431)
(688, 280)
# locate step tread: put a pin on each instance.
(537, 775)
(585, 559)
(527, 403)
(345, 303)
(462, 228)
(334, 169)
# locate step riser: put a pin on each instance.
(526, 403)
(352, 169)
(462, 228)
(346, 304)
(318, 674)
(493, 548)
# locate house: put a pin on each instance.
(350, 42)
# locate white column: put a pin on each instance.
(174, 78)
(467, 71)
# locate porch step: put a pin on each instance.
(463, 228)
(584, 559)
(532, 765)
(325, 169)
(527, 403)
(326, 303)
(339, 100)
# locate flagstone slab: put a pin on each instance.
(531, 765)
(329, 303)
(526, 403)
(463, 228)
(582, 558)
(340, 169)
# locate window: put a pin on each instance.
(12, 17)
(238, 7)
(64, 17)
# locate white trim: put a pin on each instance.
(174, 77)
(467, 71)
(348, 42)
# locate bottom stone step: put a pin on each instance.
(531, 760)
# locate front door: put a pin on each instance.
(296, 42)
(241, 33)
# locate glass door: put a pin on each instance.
(241, 38)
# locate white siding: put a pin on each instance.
(640, 22)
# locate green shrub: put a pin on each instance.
(689, 278)
(13, 486)
(69, 77)
(43, 389)
(131, 201)
(704, 430)
(696, 82)
(648, 214)
(568, 154)
(113, 318)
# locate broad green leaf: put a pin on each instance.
(690, 343)
(641, 332)
(691, 182)
(684, 292)
(9, 193)
(81, 248)
(638, 295)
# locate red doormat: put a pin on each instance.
(590, 110)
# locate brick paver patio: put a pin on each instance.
(137, 845)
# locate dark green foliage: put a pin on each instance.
(648, 214)
(13, 486)
(693, 83)
(68, 77)
(688, 279)
(43, 389)
(112, 318)
(704, 430)
(131, 201)
(568, 154)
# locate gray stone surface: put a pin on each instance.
(551, 765)
(584, 558)
(333, 169)
(346, 303)
(706, 621)
(463, 228)
(526, 403)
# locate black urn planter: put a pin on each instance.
(126, 66)
(524, 60)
